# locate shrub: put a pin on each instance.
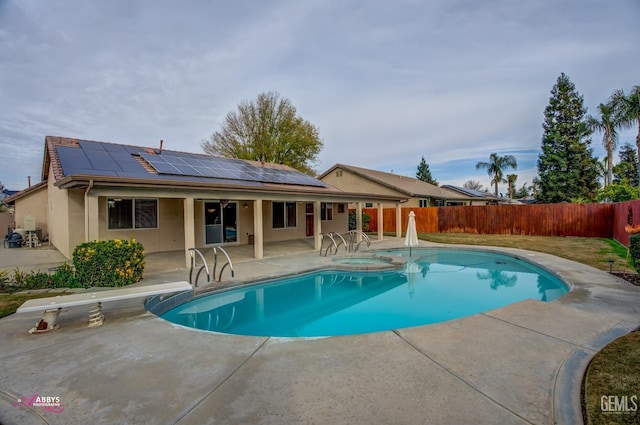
(37, 280)
(634, 250)
(64, 277)
(366, 219)
(108, 263)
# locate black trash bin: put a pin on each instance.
(15, 240)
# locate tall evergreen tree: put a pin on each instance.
(424, 173)
(566, 166)
(627, 167)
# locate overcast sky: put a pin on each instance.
(386, 82)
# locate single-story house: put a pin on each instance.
(171, 200)
(418, 193)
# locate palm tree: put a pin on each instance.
(608, 123)
(511, 181)
(629, 108)
(496, 166)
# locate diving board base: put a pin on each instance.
(48, 322)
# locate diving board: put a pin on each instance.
(52, 306)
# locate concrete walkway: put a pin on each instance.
(518, 364)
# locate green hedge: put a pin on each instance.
(634, 250)
(108, 263)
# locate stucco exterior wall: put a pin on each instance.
(169, 236)
(75, 217)
(350, 182)
(33, 204)
(339, 223)
(58, 217)
(274, 235)
(6, 221)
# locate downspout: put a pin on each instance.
(86, 210)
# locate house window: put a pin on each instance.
(132, 213)
(326, 211)
(338, 173)
(284, 215)
(424, 202)
(340, 208)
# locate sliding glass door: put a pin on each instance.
(220, 222)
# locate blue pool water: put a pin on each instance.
(434, 286)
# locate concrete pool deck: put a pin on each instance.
(519, 364)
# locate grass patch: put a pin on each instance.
(614, 372)
(594, 252)
(9, 303)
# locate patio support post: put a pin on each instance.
(380, 221)
(258, 230)
(317, 226)
(359, 221)
(398, 221)
(91, 227)
(189, 229)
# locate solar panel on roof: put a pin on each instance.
(88, 171)
(195, 165)
(85, 144)
(163, 167)
(71, 157)
(102, 160)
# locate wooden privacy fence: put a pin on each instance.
(588, 220)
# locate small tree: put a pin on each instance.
(267, 129)
(424, 173)
(523, 192)
(618, 192)
(627, 167)
(473, 185)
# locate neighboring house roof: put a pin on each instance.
(481, 195)
(76, 163)
(17, 194)
(409, 186)
(471, 192)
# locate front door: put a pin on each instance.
(220, 222)
(309, 219)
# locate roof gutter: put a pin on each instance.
(89, 183)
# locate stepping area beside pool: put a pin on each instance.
(519, 364)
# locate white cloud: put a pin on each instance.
(386, 82)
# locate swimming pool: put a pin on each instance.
(432, 286)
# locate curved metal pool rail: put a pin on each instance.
(333, 244)
(353, 237)
(193, 252)
(215, 263)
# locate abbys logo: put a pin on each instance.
(619, 404)
(51, 404)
